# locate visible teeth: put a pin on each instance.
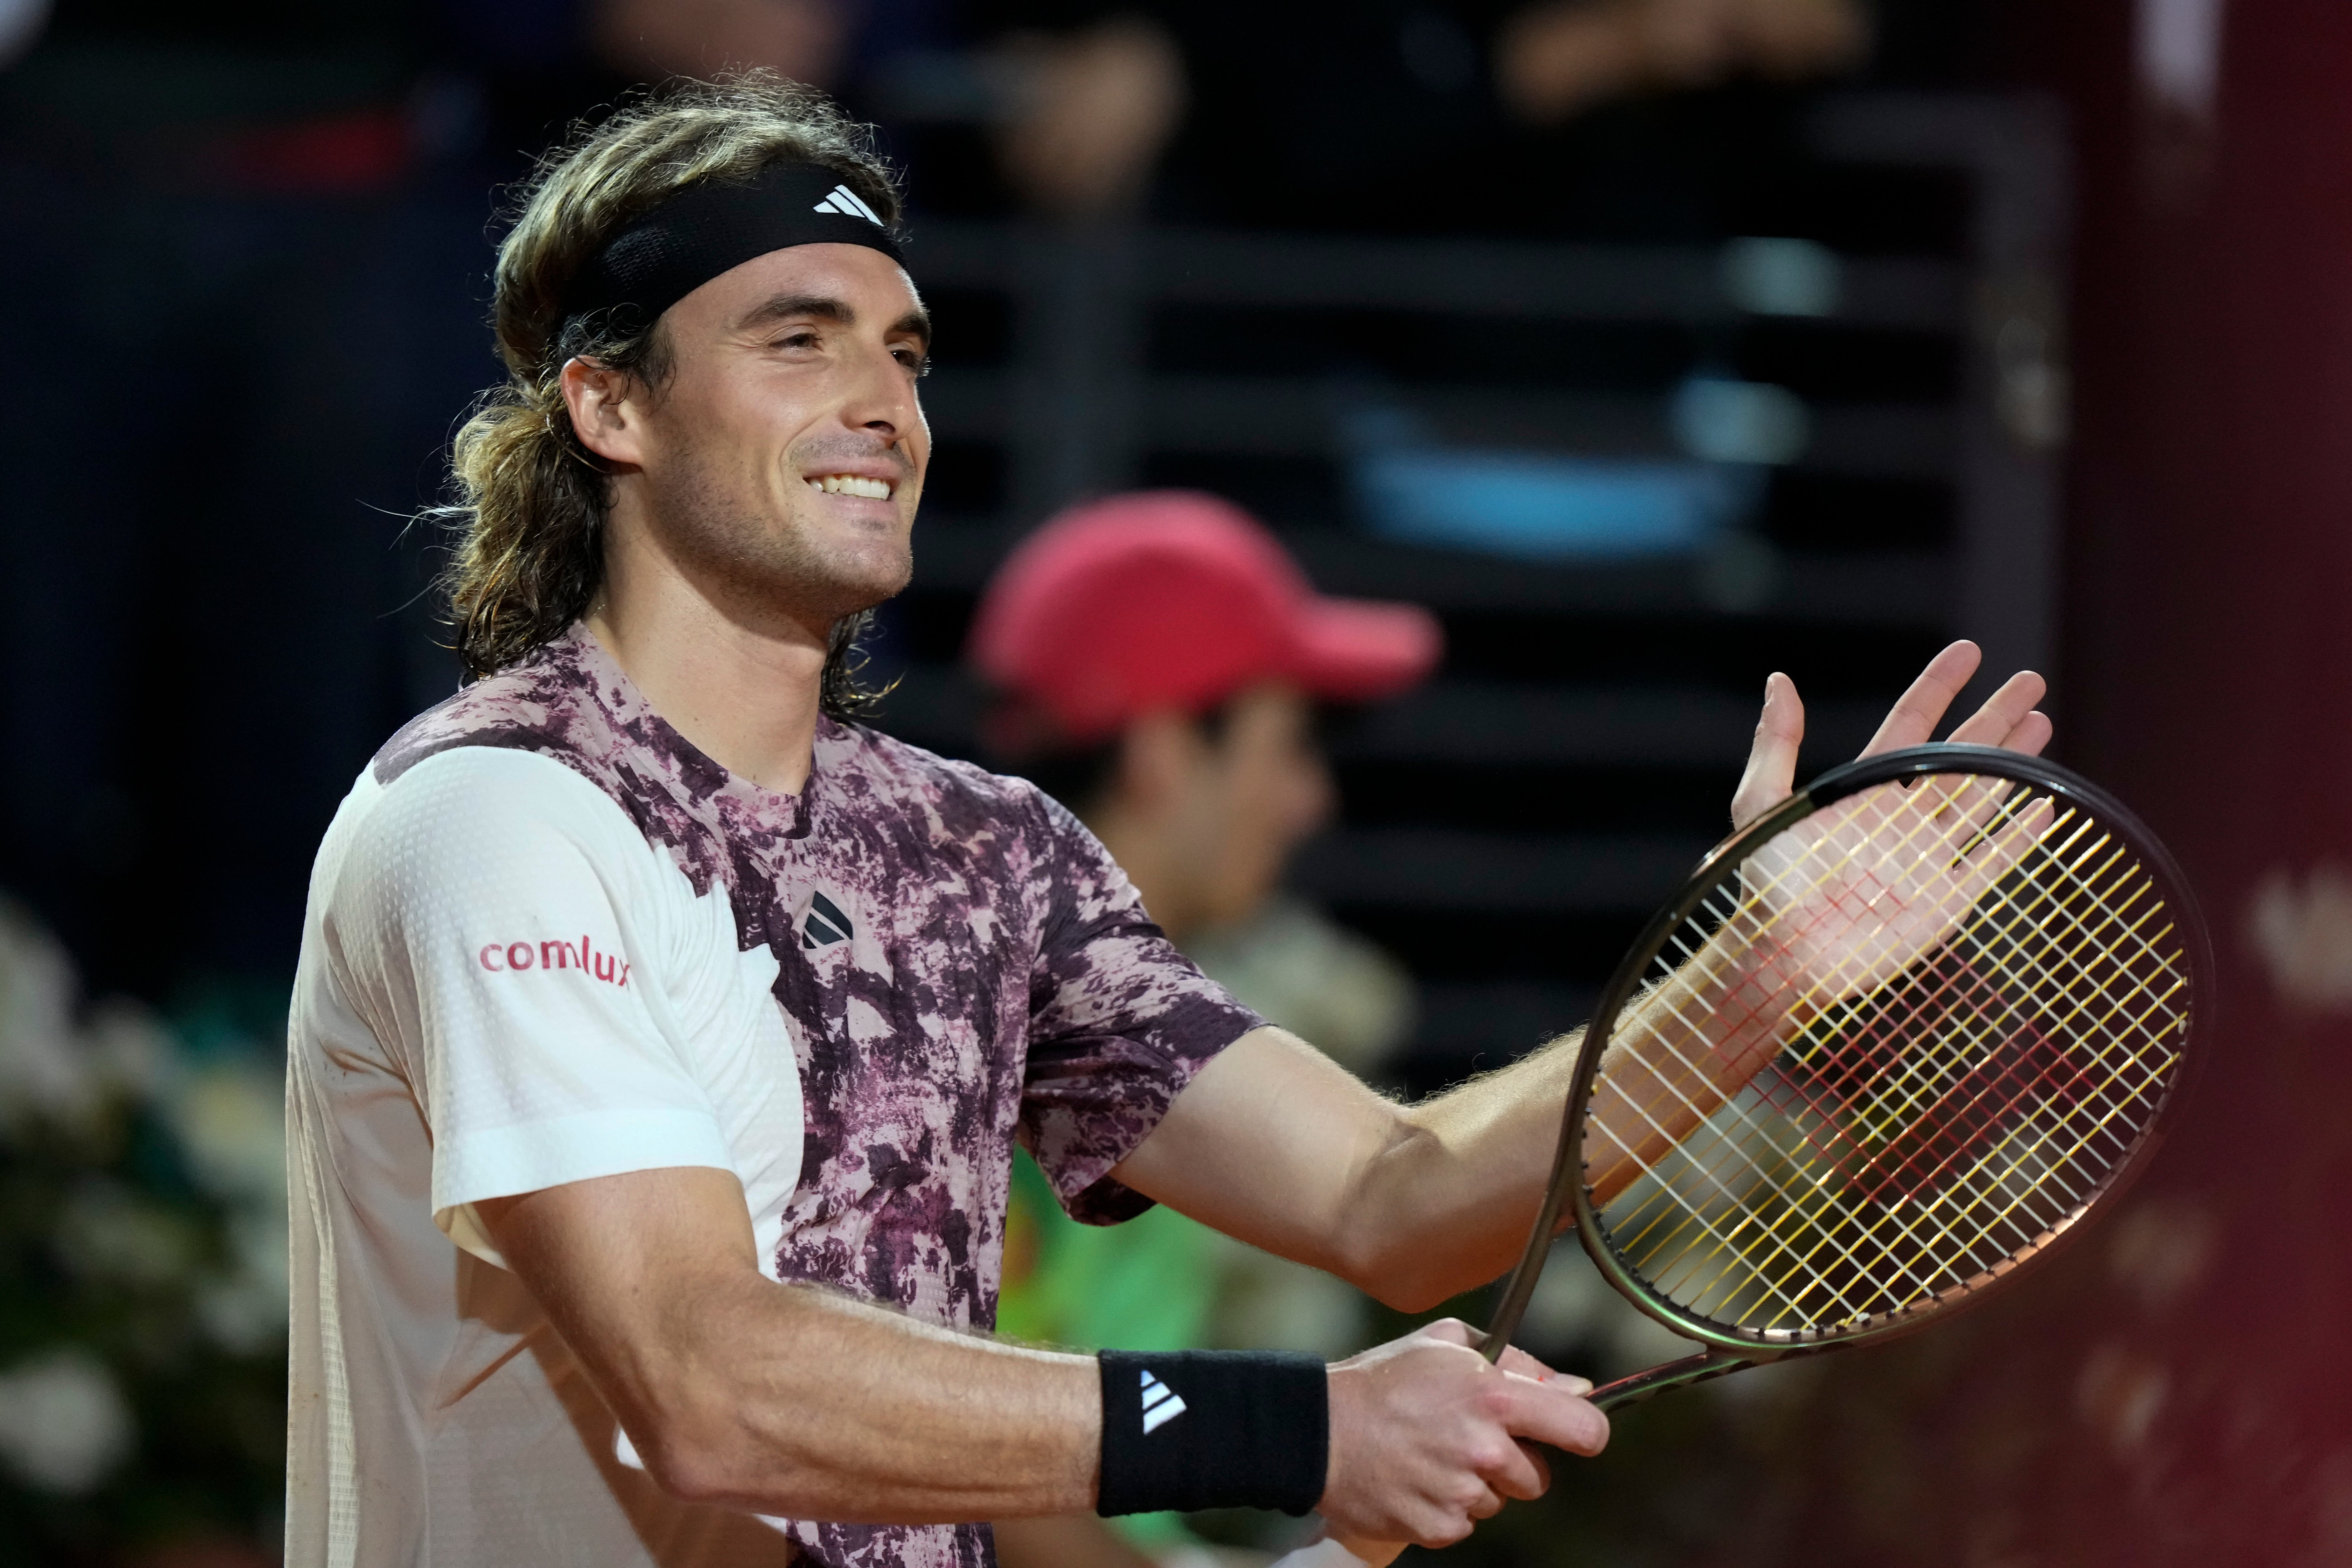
(851, 485)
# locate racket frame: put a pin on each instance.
(1725, 1350)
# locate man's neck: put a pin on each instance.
(747, 698)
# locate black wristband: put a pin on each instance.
(1194, 1429)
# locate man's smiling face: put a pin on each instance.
(783, 457)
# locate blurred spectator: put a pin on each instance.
(1089, 114)
(1161, 660)
(1556, 58)
(1074, 107)
(650, 39)
(1469, 115)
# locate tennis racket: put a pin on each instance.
(1892, 1043)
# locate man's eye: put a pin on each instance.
(803, 340)
(914, 360)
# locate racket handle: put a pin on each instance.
(1343, 1551)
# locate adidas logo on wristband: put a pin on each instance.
(1161, 1404)
(1259, 1433)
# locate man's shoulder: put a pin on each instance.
(546, 704)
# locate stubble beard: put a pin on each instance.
(796, 565)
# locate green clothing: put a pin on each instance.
(1146, 1284)
(1161, 1281)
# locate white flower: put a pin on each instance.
(245, 1310)
(2302, 930)
(63, 1423)
(229, 1115)
(43, 1072)
(128, 1047)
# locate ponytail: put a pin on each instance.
(532, 510)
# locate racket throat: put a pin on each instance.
(1704, 1367)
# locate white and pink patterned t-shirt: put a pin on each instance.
(550, 940)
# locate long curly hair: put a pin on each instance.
(529, 499)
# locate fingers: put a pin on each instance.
(1516, 1360)
(1514, 1471)
(1427, 1438)
(1454, 1331)
(2009, 715)
(1912, 721)
(1549, 1413)
(1543, 1468)
(2033, 733)
(1771, 772)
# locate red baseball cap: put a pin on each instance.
(1177, 599)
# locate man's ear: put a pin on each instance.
(607, 409)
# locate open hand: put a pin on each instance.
(1858, 893)
(1861, 891)
(2007, 720)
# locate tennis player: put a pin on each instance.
(661, 1035)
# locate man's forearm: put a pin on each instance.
(804, 1403)
(787, 1399)
(1679, 1053)
(1462, 1182)
(1275, 1143)
(1450, 1199)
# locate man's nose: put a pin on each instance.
(882, 403)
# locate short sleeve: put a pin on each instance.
(499, 915)
(1118, 1023)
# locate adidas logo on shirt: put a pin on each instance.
(824, 925)
(843, 200)
(1161, 1404)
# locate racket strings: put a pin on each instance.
(1924, 1124)
(1717, 909)
(1817, 1141)
(1838, 1155)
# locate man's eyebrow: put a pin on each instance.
(823, 307)
(916, 324)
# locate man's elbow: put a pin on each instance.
(1401, 1286)
(698, 1449)
(1384, 1245)
(686, 1459)
(1413, 1296)
(1399, 1277)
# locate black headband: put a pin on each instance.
(709, 227)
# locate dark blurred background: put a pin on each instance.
(1654, 345)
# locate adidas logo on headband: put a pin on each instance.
(843, 200)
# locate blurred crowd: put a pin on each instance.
(256, 237)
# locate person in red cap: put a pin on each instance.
(1160, 657)
(1160, 660)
